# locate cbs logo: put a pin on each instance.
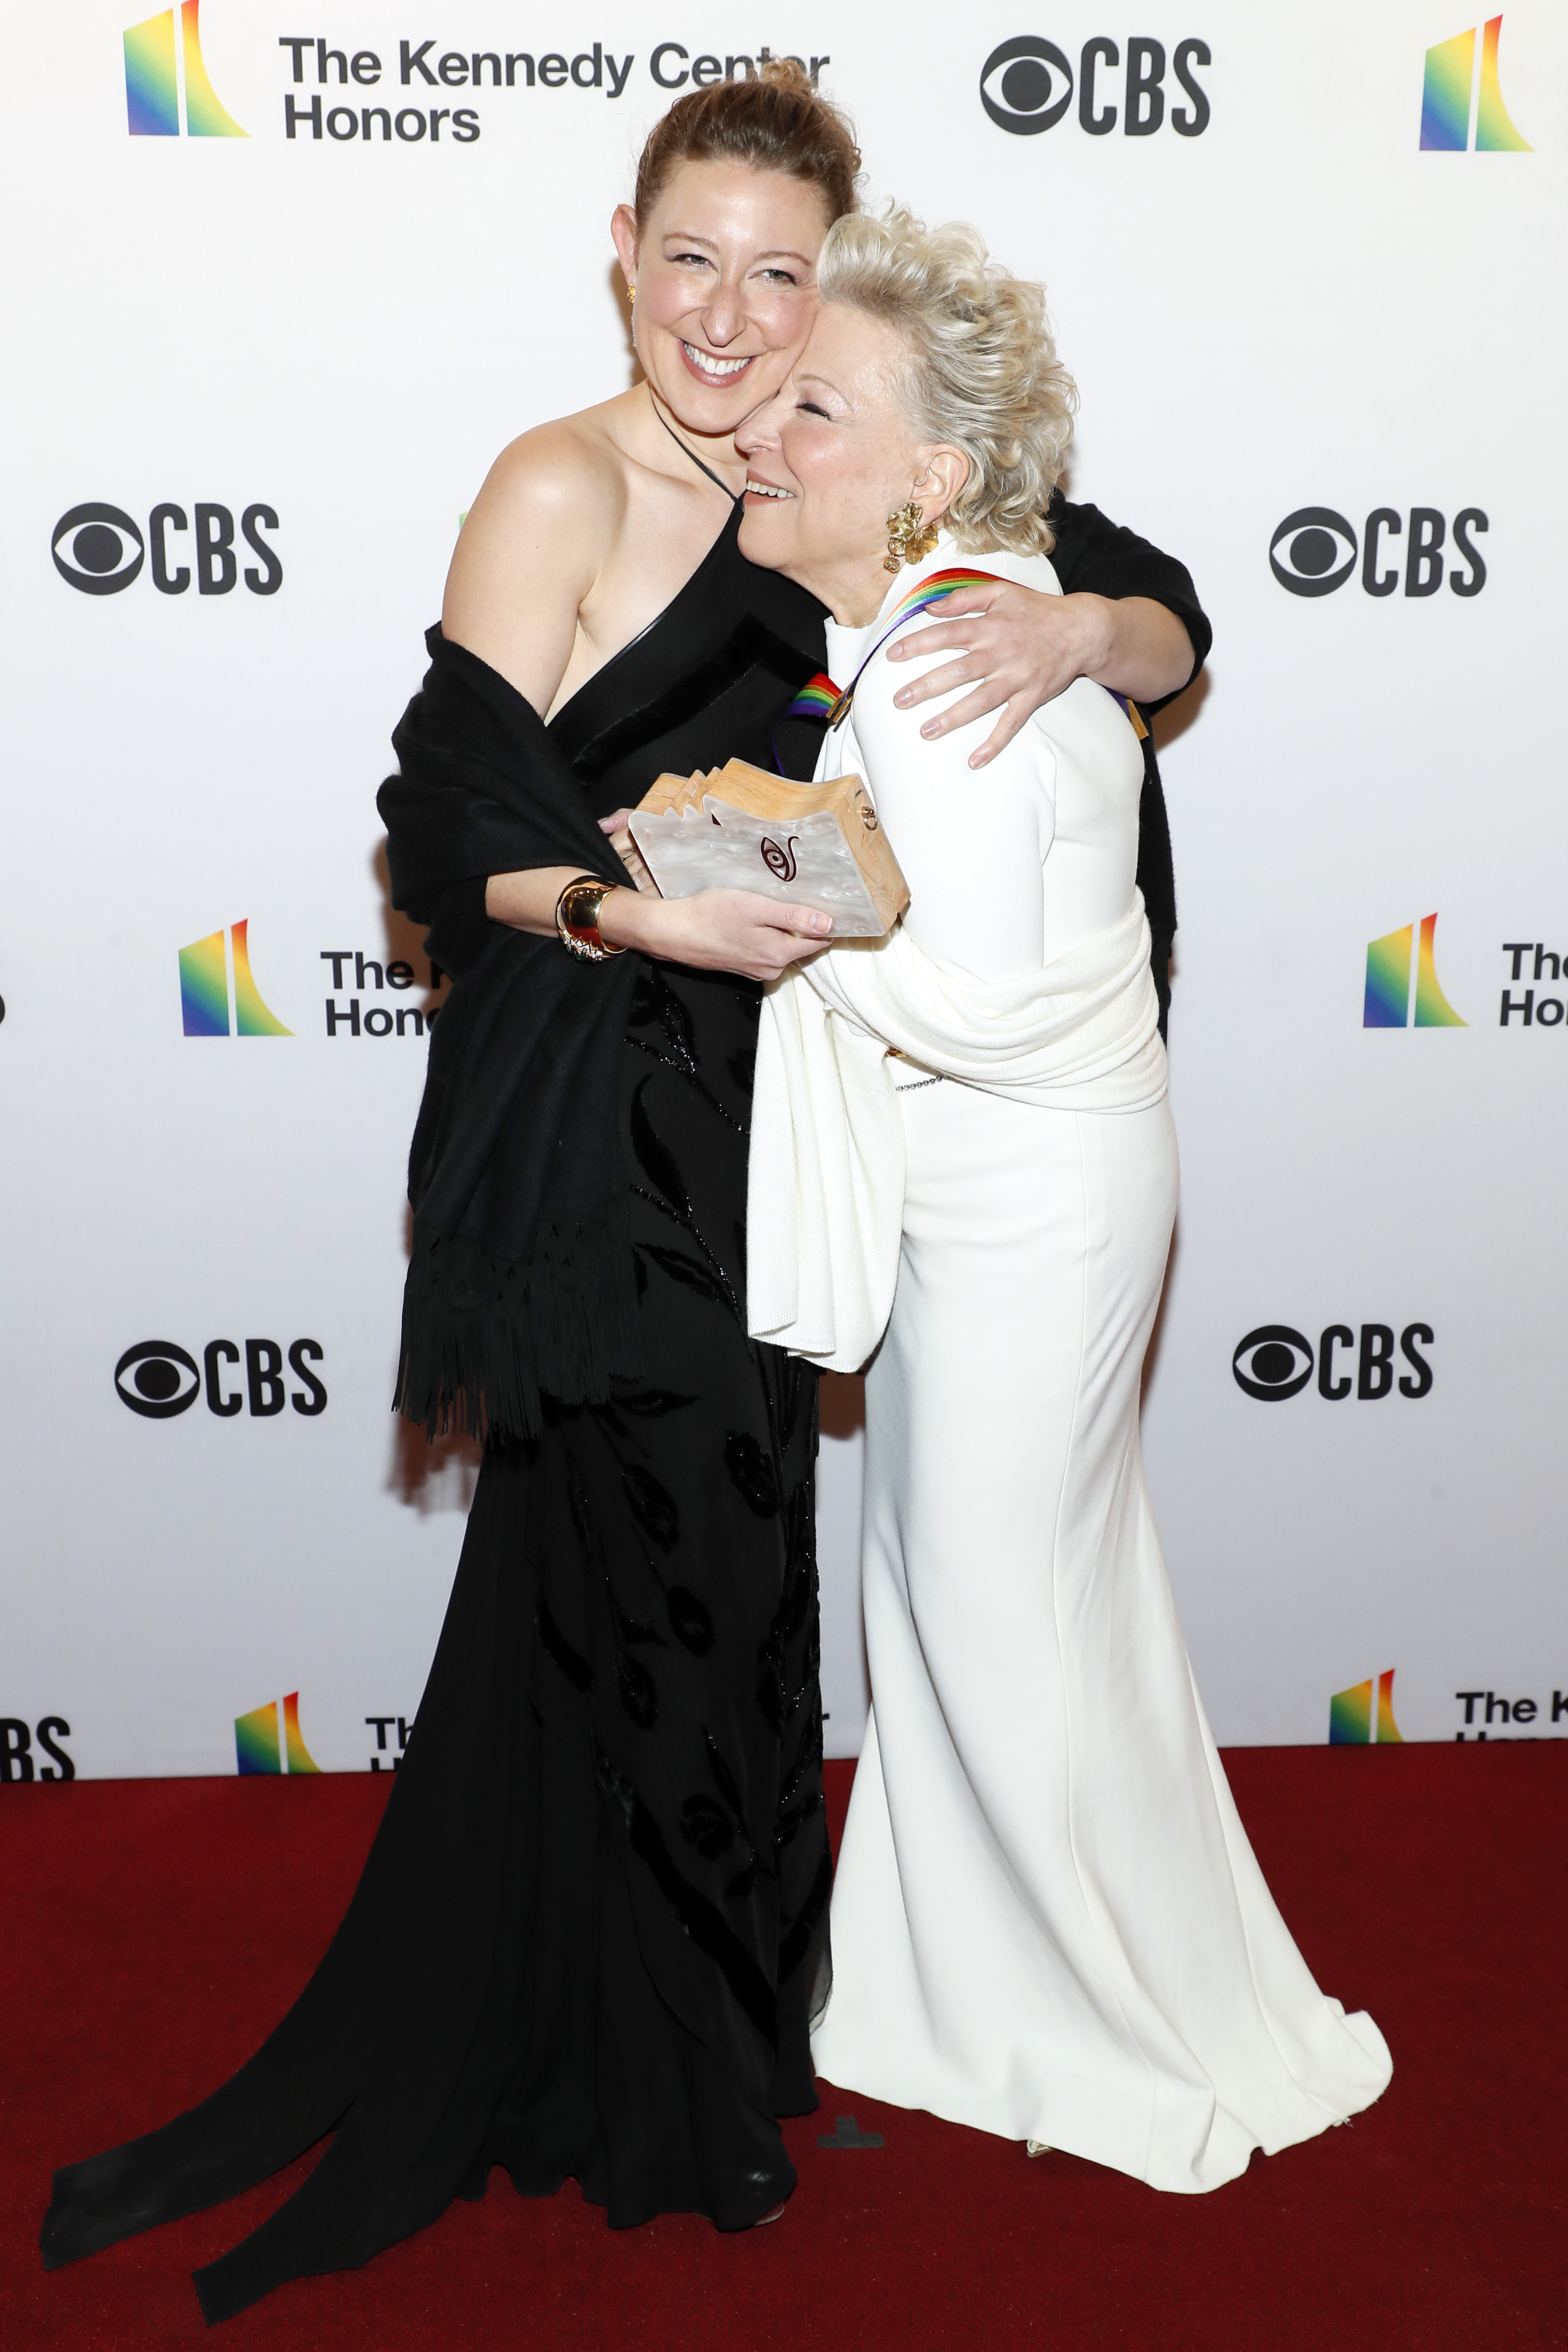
(101, 550)
(158, 1379)
(1313, 552)
(1027, 86)
(1275, 1361)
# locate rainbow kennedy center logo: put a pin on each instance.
(1364, 1714)
(218, 995)
(1402, 990)
(1461, 100)
(257, 1745)
(166, 85)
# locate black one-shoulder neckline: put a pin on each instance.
(694, 589)
(669, 696)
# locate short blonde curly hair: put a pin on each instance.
(983, 369)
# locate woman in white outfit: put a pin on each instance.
(1047, 1921)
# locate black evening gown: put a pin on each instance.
(592, 1929)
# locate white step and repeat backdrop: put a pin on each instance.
(279, 286)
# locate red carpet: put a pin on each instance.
(150, 1932)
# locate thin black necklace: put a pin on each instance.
(735, 497)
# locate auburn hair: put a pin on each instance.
(774, 120)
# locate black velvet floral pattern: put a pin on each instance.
(684, 1872)
(692, 1496)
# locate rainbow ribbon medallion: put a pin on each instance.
(815, 699)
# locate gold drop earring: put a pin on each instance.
(911, 538)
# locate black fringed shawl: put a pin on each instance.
(515, 1282)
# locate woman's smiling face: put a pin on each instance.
(725, 271)
(832, 458)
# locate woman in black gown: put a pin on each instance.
(592, 1926)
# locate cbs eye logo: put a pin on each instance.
(1275, 1361)
(98, 549)
(1318, 552)
(1025, 86)
(158, 1379)
(1314, 551)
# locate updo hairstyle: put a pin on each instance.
(983, 372)
(774, 121)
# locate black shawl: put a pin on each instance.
(516, 1281)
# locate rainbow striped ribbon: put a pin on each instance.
(932, 591)
(815, 698)
(820, 698)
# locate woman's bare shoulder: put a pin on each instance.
(548, 516)
(567, 472)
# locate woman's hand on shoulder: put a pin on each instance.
(1017, 647)
(529, 554)
(716, 931)
(1022, 647)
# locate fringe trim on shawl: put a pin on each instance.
(482, 1338)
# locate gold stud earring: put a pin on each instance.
(911, 538)
(631, 293)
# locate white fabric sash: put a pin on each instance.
(825, 1205)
